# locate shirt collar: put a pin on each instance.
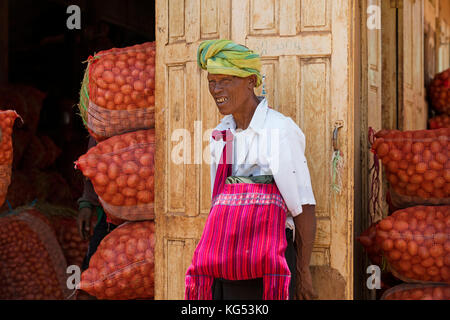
(257, 122)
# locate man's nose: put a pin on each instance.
(217, 89)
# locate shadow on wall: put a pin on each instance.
(328, 283)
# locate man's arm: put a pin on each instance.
(305, 233)
(86, 204)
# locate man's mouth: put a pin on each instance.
(221, 100)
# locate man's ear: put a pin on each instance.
(252, 80)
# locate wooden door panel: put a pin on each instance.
(315, 114)
(315, 15)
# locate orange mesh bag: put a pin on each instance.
(409, 291)
(121, 169)
(367, 239)
(118, 91)
(438, 122)
(123, 266)
(417, 165)
(32, 265)
(440, 92)
(415, 243)
(7, 119)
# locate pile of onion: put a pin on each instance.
(32, 264)
(417, 165)
(118, 92)
(122, 268)
(121, 169)
(416, 243)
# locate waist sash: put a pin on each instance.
(244, 238)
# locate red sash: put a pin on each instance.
(244, 237)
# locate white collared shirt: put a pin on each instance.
(272, 144)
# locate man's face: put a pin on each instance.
(229, 92)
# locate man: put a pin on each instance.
(87, 205)
(267, 153)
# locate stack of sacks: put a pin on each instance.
(414, 241)
(117, 107)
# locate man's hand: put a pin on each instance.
(305, 290)
(305, 232)
(84, 223)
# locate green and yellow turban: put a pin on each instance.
(226, 57)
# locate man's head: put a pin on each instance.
(233, 73)
(231, 92)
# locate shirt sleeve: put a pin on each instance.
(290, 168)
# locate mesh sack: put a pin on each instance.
(438, 122)
(7, 119)
(367, 239)
(122, 268)
(32, 265)
(417, 165)
(121, 169)
(415, 243)
(64, 223)
(118, 91)
(440, 92)
(409, 291)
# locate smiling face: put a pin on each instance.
(231, 93)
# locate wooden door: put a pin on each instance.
(413, 110)
(307, 57)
